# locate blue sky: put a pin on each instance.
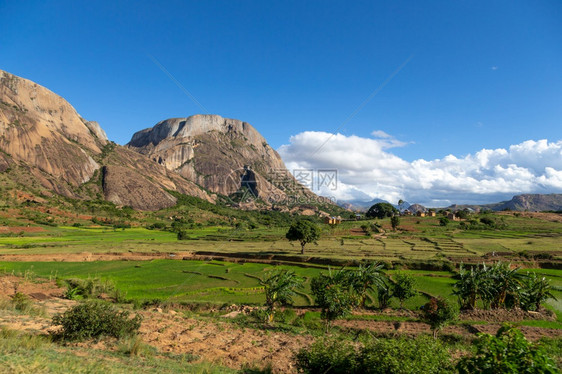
(474, 74)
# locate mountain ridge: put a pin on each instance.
(46, 147)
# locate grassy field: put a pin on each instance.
(219, 282)
(419, 239)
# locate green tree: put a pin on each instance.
(403, 288)
(438, 313)
(394, 222)
(444, 221)
(279, 287)
(508, 352)
(303, 232)
(381, 210)
(400, 204)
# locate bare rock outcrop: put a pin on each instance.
(40, 128)
(221, 154)
(47, 146)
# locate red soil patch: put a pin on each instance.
(18, 229)
(39, 290)
(87, 256)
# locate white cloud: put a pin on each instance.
(367, 169)
(380, 134)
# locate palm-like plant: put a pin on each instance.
(279, 288)
(384, 294)
(536, 290)
(507, 285)
(470, 286)
(366, 278)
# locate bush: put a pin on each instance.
(400, 356)
(403, 287)
(334, 294)
(77, 289)
(93, 319)
(404, 356)
(326, 357)
(444, 221)
(507, 352)
(438, 314)
(21, 302)
(183, 235)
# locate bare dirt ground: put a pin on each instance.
(18, 229)
(219, 341)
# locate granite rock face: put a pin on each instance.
(223, 155)
(40, 128)
(47, 146)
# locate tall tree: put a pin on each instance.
(381, 210)
(303, 232)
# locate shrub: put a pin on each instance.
(93, 319)
(384, 294)
(183, 235)
(334, 294)
(394, 222)
(403, 287)
(438, 314)
(77, 289)
(326, 356)
(404, 356)
(507, 352)
(444, 221)
(21, 302)
(399, 356)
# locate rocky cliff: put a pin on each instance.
(533, 203)
(46, 146)
(226, 156)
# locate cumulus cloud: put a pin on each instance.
(368, 169)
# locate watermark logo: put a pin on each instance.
(284, 188)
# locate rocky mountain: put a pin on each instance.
(525, 202)
(533, 202)
(224, 155)
(46, 146)
(414, 208)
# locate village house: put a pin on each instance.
(332, 220)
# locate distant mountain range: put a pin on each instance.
(525, 202)
(361, 205)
